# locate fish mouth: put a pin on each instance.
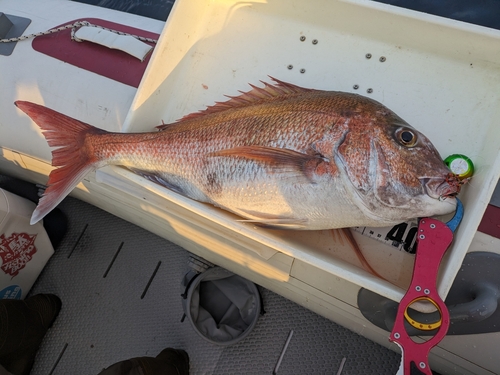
(441, 188)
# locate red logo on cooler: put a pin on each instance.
(16, 251)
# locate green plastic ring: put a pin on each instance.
(461, 165)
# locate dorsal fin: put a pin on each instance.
(255, 95)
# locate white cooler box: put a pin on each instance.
(24, 248)
(440, 75)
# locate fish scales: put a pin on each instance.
(282, 156)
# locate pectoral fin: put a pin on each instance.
(279, 160)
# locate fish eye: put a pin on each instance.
(406, 137)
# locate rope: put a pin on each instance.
(74, 27)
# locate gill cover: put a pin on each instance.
(376, 173)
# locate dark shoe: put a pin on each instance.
(168, 362)
(177, 358)
(23, 324)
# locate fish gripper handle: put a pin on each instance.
(433, 238)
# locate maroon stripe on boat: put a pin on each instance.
(490, 224)
(110, 63)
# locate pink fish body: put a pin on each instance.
(281, 155)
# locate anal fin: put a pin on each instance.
(157, 179)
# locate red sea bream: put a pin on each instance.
(278, 155)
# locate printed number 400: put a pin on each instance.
(399, 234)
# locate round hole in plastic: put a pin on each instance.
(223, 308)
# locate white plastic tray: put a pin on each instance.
(440, 75)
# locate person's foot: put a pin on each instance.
(168, 362)
(23, 324)
(176, 357)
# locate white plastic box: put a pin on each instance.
(440, 75)
(24, 248)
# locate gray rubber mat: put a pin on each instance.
(120, 287)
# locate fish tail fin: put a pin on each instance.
(73, 159)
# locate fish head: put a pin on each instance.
(396, 172)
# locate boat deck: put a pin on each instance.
(120, 288)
